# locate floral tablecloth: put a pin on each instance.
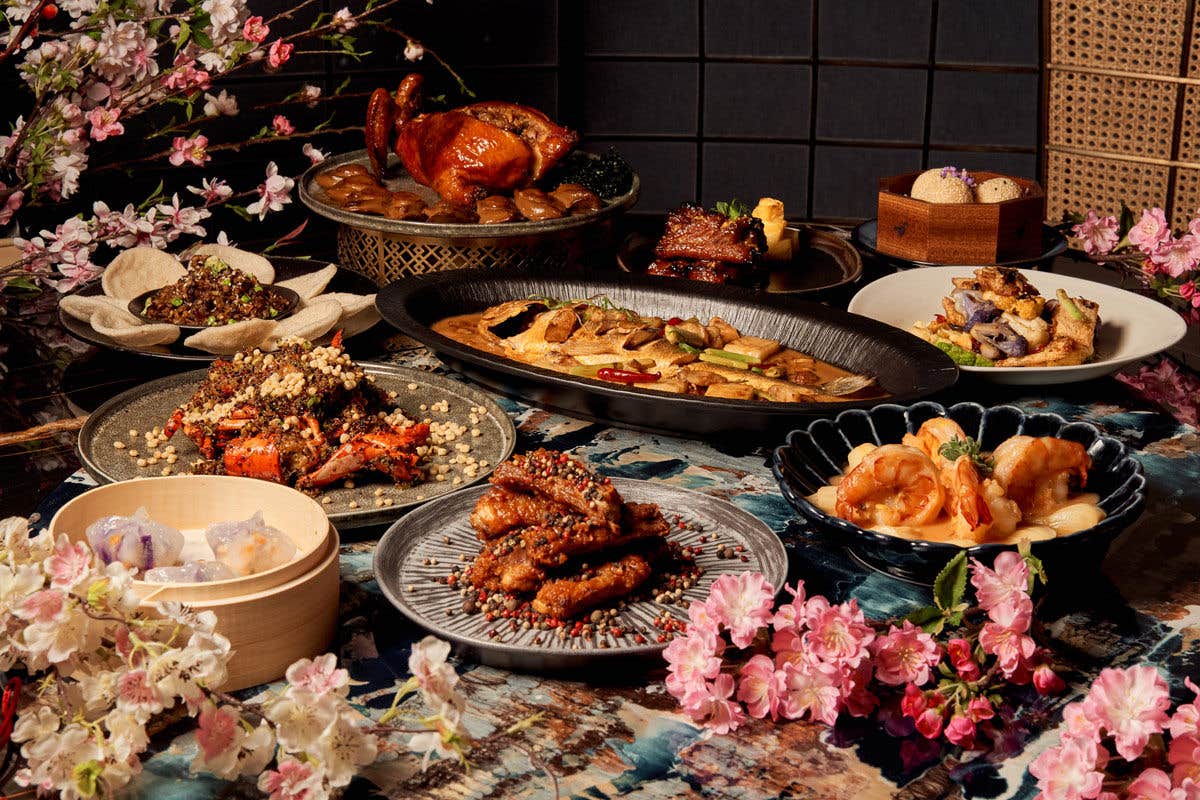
(620, 735)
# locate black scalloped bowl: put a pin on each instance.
(814, 455)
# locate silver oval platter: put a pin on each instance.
(415, 555)
(417, 392)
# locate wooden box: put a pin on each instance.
(959, 233)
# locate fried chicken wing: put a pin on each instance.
(500, 511)
(564, 598)
(558, 477)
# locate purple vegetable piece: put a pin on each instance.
(1001, 336)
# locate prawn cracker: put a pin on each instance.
(226, 340)
(121, 326)
(249, 263)
(82, 308)
(310, 322)
(138, 270)
(310, 284)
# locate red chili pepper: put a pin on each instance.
(626, 376)
(674, 321)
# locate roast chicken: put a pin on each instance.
(467, 153)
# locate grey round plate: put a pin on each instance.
(313, 196)
(402, 553)
(150, 405)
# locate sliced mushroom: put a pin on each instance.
(576, 199)
(495, 209)
(535, 205)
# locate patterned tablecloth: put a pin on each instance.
(620, 735)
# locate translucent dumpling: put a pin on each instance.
(136, 541)
(190, 572)
(249, 546)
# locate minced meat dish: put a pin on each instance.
(213, 293)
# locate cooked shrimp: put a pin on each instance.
(932, 434)
(968, 509)
(1037, 472)
(893, 485)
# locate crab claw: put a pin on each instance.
(381, 113)
(392, 452)
(254, 457)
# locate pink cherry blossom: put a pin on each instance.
(185, 77)
(837, 634)
(813, 689)
(320, 675)
(46, 606)
(962, 658)
(961, 731)
(1176, 257)
(790, 615)
(212, 190)
(291, 780)
(255, 30)
(710, 704)
(857, 697)
(1152, 784)
(137, 695)
(1183, 755)
(189, 150)
(1079, 725)
(914, 702)
(104, 123)
(700, 620)
(1186, 718)
(216, 732)
(691, 660)
(761, 687)
(279, 53)
(434, 676)
(929, 723)
(904, 655)
(273, 194)
(309, 94)
(343, 20)
(282, 126)
(979, 709)
(1007, 581)
(1067, 772)
(1046, 681)
(413, 51)
(1004, 637)
(1130, 705)
(742, 604)
(787, 646)
(11, 205)
(1187, 290)
(70, 563)
(1150, 231)
(1098, 235)
(314, 155)
(1187, 789)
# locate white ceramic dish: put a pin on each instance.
(1132, 327)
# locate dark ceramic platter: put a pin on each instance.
(285, 267)
(865, 235)
(288, 301)
(906, 367)
(821, 261)
(415, 552)
(814, 455)
(151, 404)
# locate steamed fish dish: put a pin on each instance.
(249, 546)
(135, 541)
(998, 319)
(190, 572)
(596, 339)
(938, 485)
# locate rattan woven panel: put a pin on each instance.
(1129, 35)
(386, 258)
(1110, 114)
(1121, 120)
(1078, 183)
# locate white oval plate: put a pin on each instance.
(1132, 327)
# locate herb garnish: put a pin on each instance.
(958, 447)
(734, 209)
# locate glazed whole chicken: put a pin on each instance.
(466, 153)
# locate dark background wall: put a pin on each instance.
(807, 100)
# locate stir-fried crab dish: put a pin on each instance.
(303, 415)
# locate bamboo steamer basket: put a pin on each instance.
(196, 501)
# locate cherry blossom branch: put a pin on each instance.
(26, 28)
(235, 146)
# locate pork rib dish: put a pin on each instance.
(303, 415)
(708, 246)
(553, 529)
(467, 153)
(598, 340)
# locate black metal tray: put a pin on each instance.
(906, 367)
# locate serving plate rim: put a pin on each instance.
(393, 307)
(1164, 316)
(591, 655)
(353, 518)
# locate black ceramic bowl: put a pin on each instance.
(906, 367)
(817, 453)
(137, 307)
